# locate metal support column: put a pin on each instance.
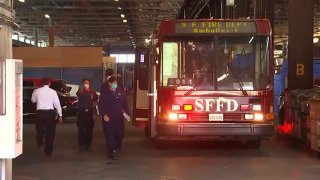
(5, 53)
(300, 47)
(36, 36)
(5, 169)
(51, 33)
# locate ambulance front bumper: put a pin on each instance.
(216, 130)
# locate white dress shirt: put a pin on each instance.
(46, 99)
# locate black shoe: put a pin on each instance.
(113, 155)
(115, 158)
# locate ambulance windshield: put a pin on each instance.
(218, 63)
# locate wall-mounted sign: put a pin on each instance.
(142, 58)
(215, 27)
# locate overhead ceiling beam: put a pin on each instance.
(105, 1)
(98, 18)
(41, 7)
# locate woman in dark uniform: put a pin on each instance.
(113, 109)
(87, 102)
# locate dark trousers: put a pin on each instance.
(114, 132)
(85, 125)
(46, 129)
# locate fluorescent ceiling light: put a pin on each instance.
(47, 16)
(15, 37)
(131, 37)
(115, 0)
(119, 8)
(125, 21)
(122, 15)
(315, 40)
(147, 40)
(21, 0)
(21, 39)
(251, 39)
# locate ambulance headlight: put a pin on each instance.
(248, 116)
(173, 117)
(258, 117)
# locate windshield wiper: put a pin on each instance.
(188, 93)
(239, 81)
(244, 92)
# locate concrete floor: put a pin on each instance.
(140, 160)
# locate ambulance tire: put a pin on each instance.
(253, 144)
(147, 132)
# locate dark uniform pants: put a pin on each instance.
(114, 132)
(46, 129)
(85, 125)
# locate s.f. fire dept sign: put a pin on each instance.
(216, 105)
(215, 27)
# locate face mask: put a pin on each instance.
(86, 86)
(114, 86)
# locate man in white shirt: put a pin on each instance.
(47, 100)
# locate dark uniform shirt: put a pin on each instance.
(113, 104)
(86, 98)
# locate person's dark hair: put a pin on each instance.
(112, 79)
(109, 72)
(83, 80)
(46, 81)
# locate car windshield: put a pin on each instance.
(219, 62)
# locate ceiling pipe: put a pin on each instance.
(200, 10)
(195, 7)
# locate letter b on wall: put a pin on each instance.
(300, 70)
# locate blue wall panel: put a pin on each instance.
(279, 80)
(71, 75)
(42, 72)
(76, 75)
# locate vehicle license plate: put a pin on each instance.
(215, 117)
